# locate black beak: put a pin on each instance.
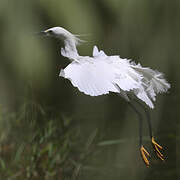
(41, 33)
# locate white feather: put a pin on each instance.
(91, 78)
(154, 81)
(102, 74)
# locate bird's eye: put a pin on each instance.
(50, 32)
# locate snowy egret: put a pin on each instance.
(101, 74)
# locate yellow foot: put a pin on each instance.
(145, 155)
(157, 149)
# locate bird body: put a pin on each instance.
(101, 74)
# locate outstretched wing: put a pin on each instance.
(102, 74)
(93, 79)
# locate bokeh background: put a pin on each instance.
(48, 129)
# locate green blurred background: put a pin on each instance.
(48, 129)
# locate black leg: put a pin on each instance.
(143, 151)
(148, 117)
(140, 122)
(155, 145)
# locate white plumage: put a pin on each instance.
(101, 74)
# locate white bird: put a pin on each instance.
(101, 74)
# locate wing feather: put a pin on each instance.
(102, 74)
(99, 77)
(91, 78)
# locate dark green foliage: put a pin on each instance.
(51, 149)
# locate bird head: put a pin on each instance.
(62, 34)
(57, 32)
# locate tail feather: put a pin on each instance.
(154, 81)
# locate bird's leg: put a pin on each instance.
(155, 145)
(144, 153)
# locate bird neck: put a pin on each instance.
(70, 50)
